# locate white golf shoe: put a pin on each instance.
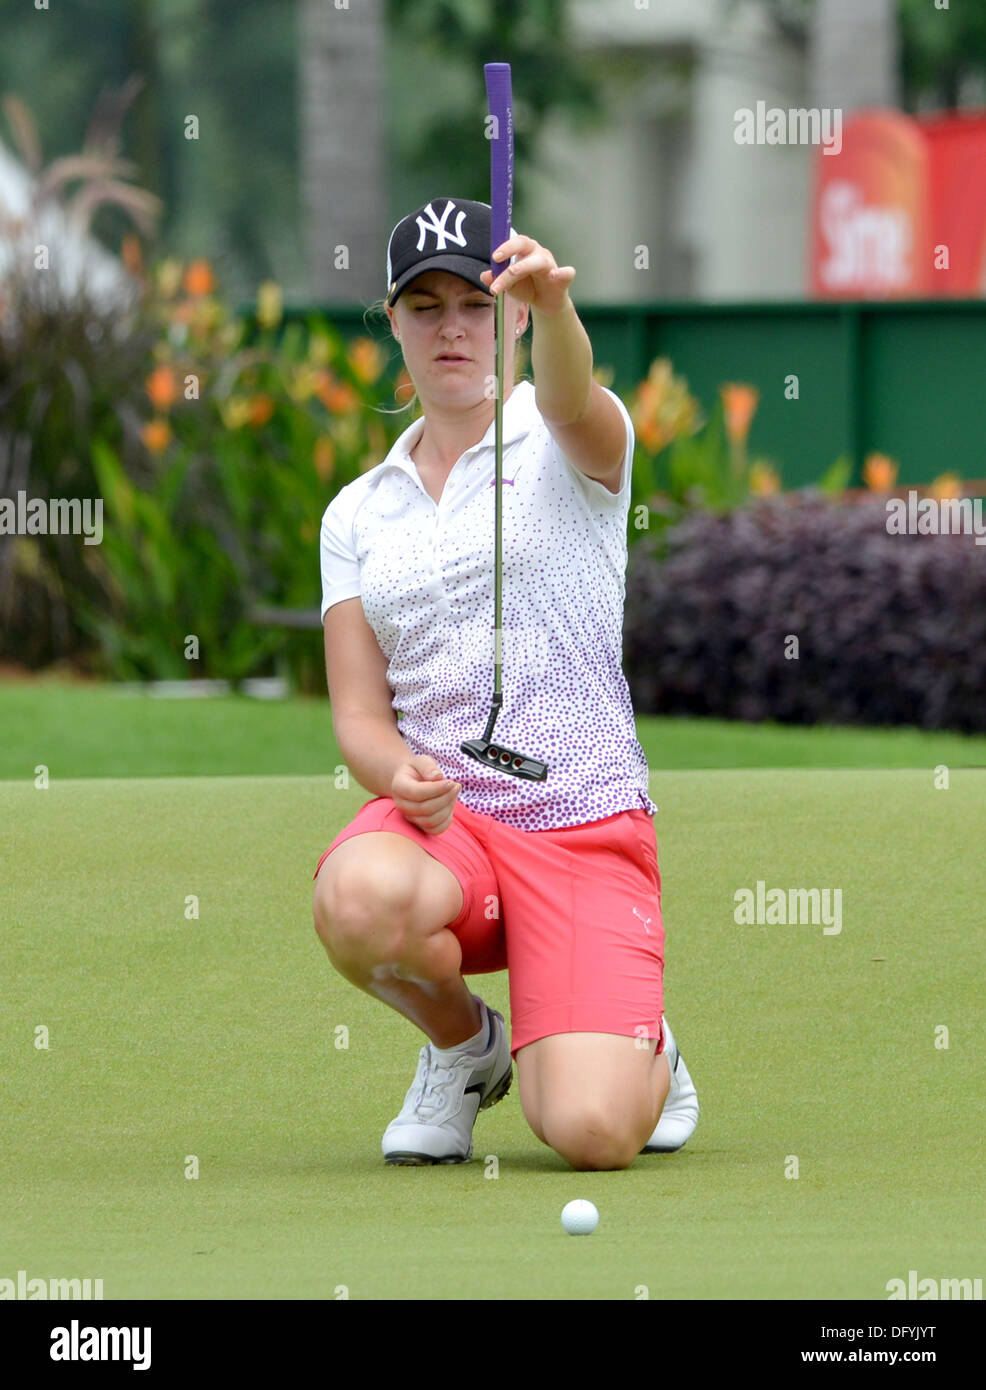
(680, 1114)
(447, 1093)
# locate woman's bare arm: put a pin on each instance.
(363, 716)
(366, 726)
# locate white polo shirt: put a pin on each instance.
(424, 573)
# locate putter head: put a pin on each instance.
(505, 759)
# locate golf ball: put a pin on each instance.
(579, 1217)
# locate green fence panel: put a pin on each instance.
(906, 379)
(805, 355)
(925, 390)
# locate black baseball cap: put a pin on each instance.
(450, 234)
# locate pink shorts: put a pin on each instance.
(574, 915)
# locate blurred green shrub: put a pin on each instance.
(684, 461)
(252, 431)
(806, 611)
(73, 359)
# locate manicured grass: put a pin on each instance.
(214, 1037)
(83, 730)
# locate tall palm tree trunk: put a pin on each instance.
(853, 56)
(342, 157)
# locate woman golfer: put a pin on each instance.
(455, 868)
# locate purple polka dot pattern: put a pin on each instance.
(424, 572)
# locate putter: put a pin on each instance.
(498, 93)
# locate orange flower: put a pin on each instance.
(335, 395)
(324, 457)
(651, 436)
(131, 255)
(947, 485)
(366, 360)
(156, 436)
(199, 279)
(646, 405)
(162, 387)
(662, 407)
(739, 403)
(342, 399)
(879, 472)
(764, 480)
(650, 394)
(261, 409)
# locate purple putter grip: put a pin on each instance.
(500, 101)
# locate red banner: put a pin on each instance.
(869, 227)
(900, 212)
(957, 168)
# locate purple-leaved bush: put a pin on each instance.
(891, 629)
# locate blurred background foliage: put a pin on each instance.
(456, 37)
(216, 439)
(240, 196)
(803, 610)
(942, 65)
(278, 422)
(217, 436)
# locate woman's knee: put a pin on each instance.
(588, 1096)
(364, 905)
(590, 1137)
(382, 903)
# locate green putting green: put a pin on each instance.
(90, 729)
(176, 1040)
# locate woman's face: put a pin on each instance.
(445, 328)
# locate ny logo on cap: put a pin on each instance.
(442, 233)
